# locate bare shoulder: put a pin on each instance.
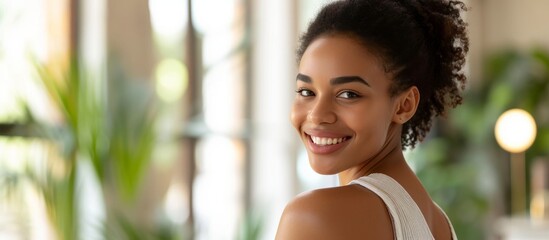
(347, 212)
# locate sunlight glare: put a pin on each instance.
(168, 17)
(176, 203)
(213, 15)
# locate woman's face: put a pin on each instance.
(342, 108)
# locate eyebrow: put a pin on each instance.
(348, 79)
(334, 81)
(303, 78)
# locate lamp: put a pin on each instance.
(515, 132)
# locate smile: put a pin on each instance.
(325, 145)
(327, 141)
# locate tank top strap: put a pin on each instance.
(408, 221)
(454, 235)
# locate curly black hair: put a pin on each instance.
(422, 43)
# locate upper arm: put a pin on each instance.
(324, 215)
(301, 220)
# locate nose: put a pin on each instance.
(322, 112)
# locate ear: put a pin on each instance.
(406, 105)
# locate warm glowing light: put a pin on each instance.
(172, 79)
(515, 130)
(539, 209)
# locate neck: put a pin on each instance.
(387, 160)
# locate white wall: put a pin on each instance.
(499, 24)
(273, 141)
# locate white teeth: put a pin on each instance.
(326, 141)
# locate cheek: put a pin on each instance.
(368, 125)
(297, 115)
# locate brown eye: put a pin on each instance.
(348, 95)
(305, 93)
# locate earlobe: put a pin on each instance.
(407, 104)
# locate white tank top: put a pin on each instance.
(408, 221)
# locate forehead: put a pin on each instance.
(337, 55)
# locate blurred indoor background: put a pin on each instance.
(169, 119)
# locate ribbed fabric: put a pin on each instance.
(408, 221)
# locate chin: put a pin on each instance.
(322, 168)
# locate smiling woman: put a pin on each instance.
(336, 102)
(372, 76)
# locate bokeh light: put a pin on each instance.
(172, 79)
(515, 130)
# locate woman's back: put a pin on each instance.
(357, 212)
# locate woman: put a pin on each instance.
(372, 76)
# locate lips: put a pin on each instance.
(319, 143)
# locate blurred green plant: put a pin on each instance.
(126, 230)
(252, 226)
(461, 164)
(115, 131)
(112, 125)
(76, 103)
